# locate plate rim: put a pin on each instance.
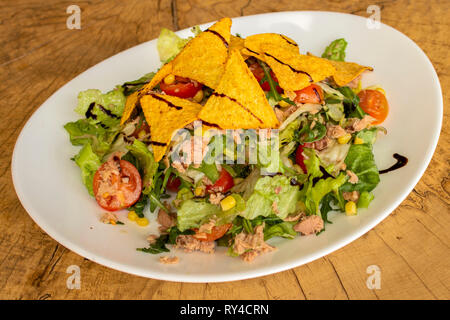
(249, 273)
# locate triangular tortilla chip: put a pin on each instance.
(165, 115)
(295, 71)
(253, 44)
(237, 43)
(204, 57)
(135, 97)
(345, 71)
(238, 101)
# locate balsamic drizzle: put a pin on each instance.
(234, 100)
(170, 104)
(219, 35)
(293, 69)
(401, 162)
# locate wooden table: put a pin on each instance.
(39, 54)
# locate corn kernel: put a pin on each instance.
(228, 203)
(358, 141)
(345, 138)
(132, 215)
(169, 79)
(111, 221)
(350, 208)
(141, 134)
(199, 191)
(198, 96)
(283, 104)
(142, 222)
(105, 195)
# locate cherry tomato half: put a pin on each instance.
(375, 104)
(311, 94)
(299, 159)
(182, 87)
(117, 185)
(258, 73)
(217, 232)
(173, 183)
(223, 184)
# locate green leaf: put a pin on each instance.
(101, 108)
(283, 229)
(364, 199)
(133, 86)
(360, 160)
(270, 190)
(83, 132)
(158, 247)
(146, 164)
(89, 163)
(192, 214)
(336, 50)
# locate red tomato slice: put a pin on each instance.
(375, 104)
(258, 73)
(217, 232)
(173, 183)
(311, 94)
(223, 184)
(299, 159)
(182, 87)
(117, 185)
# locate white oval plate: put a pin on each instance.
(49, 185)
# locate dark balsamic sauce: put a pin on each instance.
(219, 35)
(170, 104)
(290, 67)
(401, 162)
(235, 101)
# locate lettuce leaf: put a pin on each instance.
(265, 195)
(88, 162)
(146, 164)
(192, 214)
(312, 194)
(336, 50)
(282, 229)
(101, 108)
(361, 161)
(169, 44)
(83, 132)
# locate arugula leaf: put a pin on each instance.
(326, 207)
(351, 103)
(272, 94)
(158, 247)
(336, 50)
(306, 134)
(133, 86)
(139, 206)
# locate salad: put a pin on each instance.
(232, 142)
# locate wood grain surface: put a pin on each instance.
(39, 54)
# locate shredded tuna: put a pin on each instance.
(309, 225)
(249, 246)
(356, 125)
(152, 238)
(335, 131)
(179, 166)
(165, 220)
(169, 260)
(207, 227)
(295, 217)
(280, 115)
(215, 198)
(353, 178)
(278, 190)
(109, 218)
(190, 244)
(351, 196)
(275, 207)
(343, 166)
(319, 144)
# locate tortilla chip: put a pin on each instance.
(253, 44)
(238, 101)
(165, 115)
(204, 57)
(135, 97)
(295, 71)
(345, 71)
(237, 43)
